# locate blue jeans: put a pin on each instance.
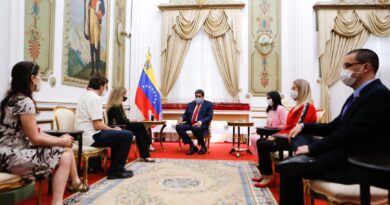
(119, 141)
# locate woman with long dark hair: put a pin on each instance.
(276, 115)
(26, 151)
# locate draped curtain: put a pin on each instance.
(179, 27)
(340, 32)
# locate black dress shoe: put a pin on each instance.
(299, 166)
(147, 159)
(120, 175)
(192, 150)
(202, 150)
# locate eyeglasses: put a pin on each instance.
(348, 65)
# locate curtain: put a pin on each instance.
(350, 31)
(224, 49)
(178, 30)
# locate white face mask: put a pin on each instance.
(270, 102)
(346, 77)
(198, 100)
(294, 94)
(38, 88)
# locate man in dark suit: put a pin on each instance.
(196, 118)
(362, 128)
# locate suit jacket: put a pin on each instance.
(205, 114)
(364, 128)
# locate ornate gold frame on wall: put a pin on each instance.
(39, 34)
(118, 67)
(73, 81)
(264, 47)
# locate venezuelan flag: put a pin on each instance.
(148, 95)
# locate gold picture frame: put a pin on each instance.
(39, 18)
(85, 41)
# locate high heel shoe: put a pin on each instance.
(257, 179)
(268, 184)
(77, 187)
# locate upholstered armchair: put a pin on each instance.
(65, 118)
(335, 193)
(14, 189)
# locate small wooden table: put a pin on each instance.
(149, 124)
(77, 135)
(371, 170)
(239, 124)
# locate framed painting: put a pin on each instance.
(39, 34)
(264, 46)
(118, 72)
(86, 34)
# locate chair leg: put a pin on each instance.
(135, 151)
(208, 145)
(179, 144)
(86, 164)
(40, 190)
(105, 156)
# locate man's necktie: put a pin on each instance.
(350, 100)
(195, 115)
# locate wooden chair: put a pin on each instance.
(65, 118)
(206, 135)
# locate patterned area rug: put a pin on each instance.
(177, 181)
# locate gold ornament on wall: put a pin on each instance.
(264, 44)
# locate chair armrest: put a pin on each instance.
(282, 142)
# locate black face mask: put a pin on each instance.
(124, 98)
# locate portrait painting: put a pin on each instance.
(85, 40)
(39, 34)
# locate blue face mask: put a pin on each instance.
(198, 100)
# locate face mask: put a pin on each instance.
(38, 86)
(124, 98)
(269, 102)
(198, 101)
(294, 94)
(346, 77)
(104, 92)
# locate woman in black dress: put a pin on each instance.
(117, 116)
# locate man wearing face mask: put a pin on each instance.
(360, 129)
(89, 118)
(196, 118)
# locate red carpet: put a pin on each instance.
(217, 151)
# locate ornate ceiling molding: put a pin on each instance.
(192, 6)
(349, 5)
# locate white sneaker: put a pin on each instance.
(151, 148)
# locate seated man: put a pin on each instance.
(89, 118)
(360, 129)
(196, 118)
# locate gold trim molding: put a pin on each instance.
(349, 6)
(192, 6)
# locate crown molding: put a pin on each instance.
(192, 6)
